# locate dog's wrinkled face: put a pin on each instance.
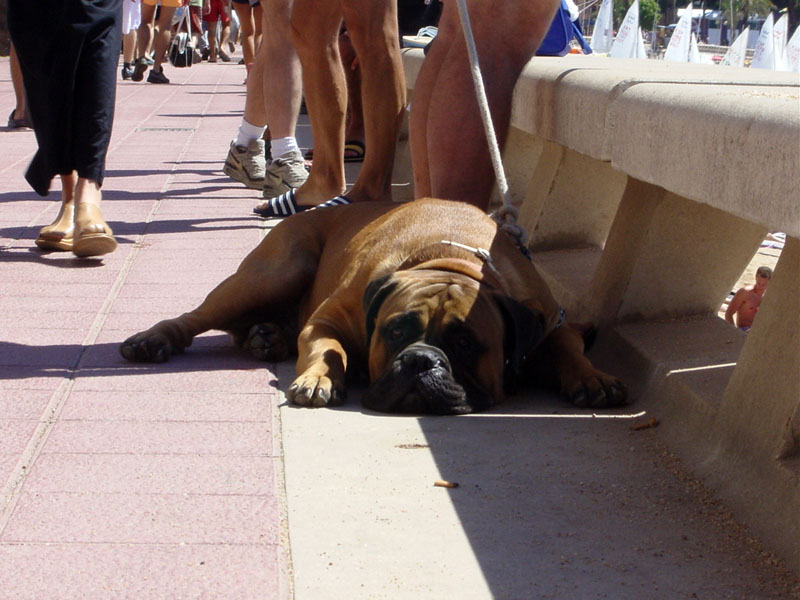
(439, 342)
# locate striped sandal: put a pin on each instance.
(280, 206)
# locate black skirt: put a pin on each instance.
(68, 51)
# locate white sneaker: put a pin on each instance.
(247, 164)
(284, 173)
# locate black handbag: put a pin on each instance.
(181, 50)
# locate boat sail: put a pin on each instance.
(792, 62)
(779, 41)
(603, 34)
(764, 54)
(734, 57)
(680, 42)
(625, 44)
(694, 50)
(640, 51)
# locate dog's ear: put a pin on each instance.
(374, 295)
(524, 331)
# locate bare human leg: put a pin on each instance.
(453, 161)
(315, 28)
(372, 26)
(19, 114)
(247, 27)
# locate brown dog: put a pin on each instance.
(404, 291)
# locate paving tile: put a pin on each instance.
(40, 272)
(151, 474)
(143, 519)
(183, 373)
(138, 571)
(57, 348)
(135, 437)
(170, 406)
(48, 314)
(87, 294)
(165, 289)
(29, 405)
(8, 463)
(14, 435)
(31, 378)
(155, 481)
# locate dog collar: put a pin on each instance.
(484, 255)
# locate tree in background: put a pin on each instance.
(649, 13)
(744, 9)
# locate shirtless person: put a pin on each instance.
(746, 301)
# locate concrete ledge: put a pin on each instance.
(694, 130)
(646, 188)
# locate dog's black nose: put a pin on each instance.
(420, 357)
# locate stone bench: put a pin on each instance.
(646, 188)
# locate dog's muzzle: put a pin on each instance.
(419, 380)
(419, 357)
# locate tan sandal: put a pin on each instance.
(58, 235)
(92, 236)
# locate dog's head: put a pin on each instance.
(441, 342)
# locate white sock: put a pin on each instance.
(249, 132)
(280, 146)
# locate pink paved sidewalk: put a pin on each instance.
(122, 480)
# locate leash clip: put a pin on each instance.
(481, 253)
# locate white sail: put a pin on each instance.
(603, 34)
(625, 44)
(678, 47)
(640, 51)
(694, 50)
(779, 41)
(764, 54)
(793, 52)
(737, 51)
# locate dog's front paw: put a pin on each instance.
(596, 390)
(310, 390)
(147, 346)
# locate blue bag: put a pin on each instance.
(561, 32)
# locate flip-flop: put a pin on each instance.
(280, 206)
(337, 201)
(356, 149)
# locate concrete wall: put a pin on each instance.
(646, 188)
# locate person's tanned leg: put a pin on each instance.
(315, 28)
(372, 26)
(446, 129)
(282, 86)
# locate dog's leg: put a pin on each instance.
(321, 366)
(273, 276)
(579, 381)
(265, 341)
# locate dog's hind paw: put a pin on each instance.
(265, 341)
(315, 392)
(597, 391)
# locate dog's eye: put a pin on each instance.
(399, 330)
(463, 342)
